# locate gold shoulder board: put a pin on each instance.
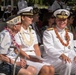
(67, 29)
(48, 29)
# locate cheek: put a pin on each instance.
(18, 28)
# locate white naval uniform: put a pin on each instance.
(53, 49)
(29, 49)
(5, 43)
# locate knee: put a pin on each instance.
(52, 70)
(24, 72)
(45, 69)
(29, 73)
(34, 71)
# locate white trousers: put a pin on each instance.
(64, 68)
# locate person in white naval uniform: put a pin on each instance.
(27, 39)
(58, 45)
(7, 52)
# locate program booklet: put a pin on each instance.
(40, 58)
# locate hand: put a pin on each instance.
(22, 62)
(16, 51)
(65, 58)
(4, 58)
(75, 58)
(35, 59)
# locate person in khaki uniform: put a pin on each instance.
(58, 45)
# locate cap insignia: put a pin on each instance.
(63, 13)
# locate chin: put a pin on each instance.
(62, 27)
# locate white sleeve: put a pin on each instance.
(5, 43)
(17, 39)
(49, 45)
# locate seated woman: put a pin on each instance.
(7, 52)
(27, 40)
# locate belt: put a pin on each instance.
(29, 50)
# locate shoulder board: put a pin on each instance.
(48, 29)
(67, 29)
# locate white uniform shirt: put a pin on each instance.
(54, 48)
(21, 42)
(5, 43)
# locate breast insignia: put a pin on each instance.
(48, 29)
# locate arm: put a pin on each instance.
(22, 53)
(51, 50)
(5, 58)
(37, 50)
(48, 42)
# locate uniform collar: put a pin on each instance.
(60, 30)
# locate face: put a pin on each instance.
(51, 20)
(61, 23)
(9, 8)
(17, 28)
(27, 20)
(36, 18)
(70, 20)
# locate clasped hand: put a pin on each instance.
(22, 63)
(65, 58)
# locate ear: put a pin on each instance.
(14, 27)
(22, 17)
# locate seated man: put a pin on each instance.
(7, 52)
(58, 45)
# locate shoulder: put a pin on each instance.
(50, 29)
(70, 33)
(4, 32)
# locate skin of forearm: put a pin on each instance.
(37, 50)
(22, 53)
